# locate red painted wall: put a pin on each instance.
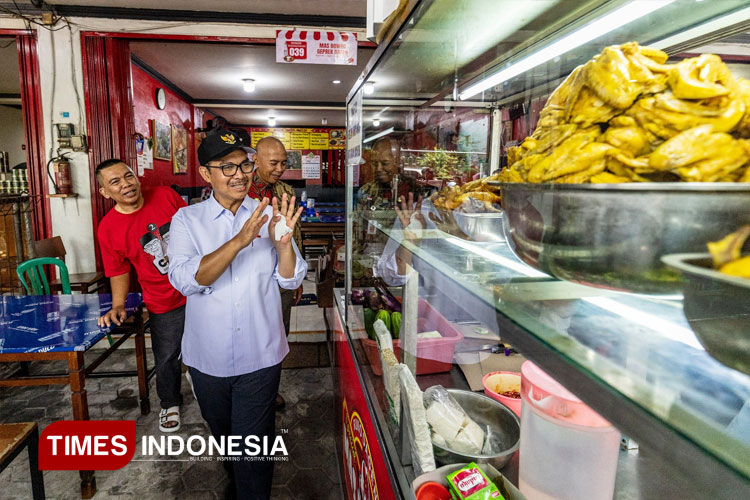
(177, 111)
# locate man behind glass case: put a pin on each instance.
(374, 205)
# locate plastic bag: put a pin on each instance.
(390, 366)
(449, 421)
(415, 423)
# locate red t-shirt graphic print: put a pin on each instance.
(141, 239)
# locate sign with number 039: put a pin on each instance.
(316, 47)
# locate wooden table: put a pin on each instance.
(64, 327)
(13, 439)
(322, 228)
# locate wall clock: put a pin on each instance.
(161, 98)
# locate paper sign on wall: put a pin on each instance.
(311, 166)
(316, 47)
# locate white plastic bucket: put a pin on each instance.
(567, 451)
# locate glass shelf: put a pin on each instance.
(636, 349)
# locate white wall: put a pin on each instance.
(11, 134)
(60, 61)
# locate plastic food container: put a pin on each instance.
(507, 489)
(568, 451)
(433, 355)
(433, 491)
(507, 381)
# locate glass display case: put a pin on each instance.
(584, 276)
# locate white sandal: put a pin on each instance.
(171, 414)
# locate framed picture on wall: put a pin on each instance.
(294, 160)
(162, 140)
(179, 150)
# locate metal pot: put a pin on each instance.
(717, 306)
(485, 412)
(614, 235)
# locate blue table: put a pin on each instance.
(63, 327)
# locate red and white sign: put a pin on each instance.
(87, 445)
(316, 47)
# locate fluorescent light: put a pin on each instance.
(664, 327)
(378, 135)
(376, 122)
(516, 266)
(336, 82)
(271, 121)
(369, 88)
(248, 85)
(702, 29)
(591, 31)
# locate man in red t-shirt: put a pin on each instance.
(136, 232)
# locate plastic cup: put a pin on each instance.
(497, 382)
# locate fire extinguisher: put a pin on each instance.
(62, 181)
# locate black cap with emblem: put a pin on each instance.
(221, 143)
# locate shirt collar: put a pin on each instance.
(258, 182)
(216, 209)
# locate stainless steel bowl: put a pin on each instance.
(614, 235)
(717, 306)
(485, 412)
(481, 226)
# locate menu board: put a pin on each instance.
(302, 138)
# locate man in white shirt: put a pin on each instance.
(225, 258)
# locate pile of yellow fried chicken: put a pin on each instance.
(627, 116)
(450, 198)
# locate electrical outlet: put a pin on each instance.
(47, 18)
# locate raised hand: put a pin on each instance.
(252, 226)
(411, 209)
(289, 215)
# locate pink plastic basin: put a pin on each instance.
(433, 355)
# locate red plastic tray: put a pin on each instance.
(433, 355)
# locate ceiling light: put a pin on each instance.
(271, 121)
(336, 82)
(376, 122)
(369, 88)
(591, 31)
(248, 85)
(324, 121)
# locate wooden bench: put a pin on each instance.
(13, 439)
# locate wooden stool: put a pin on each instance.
(13, 438)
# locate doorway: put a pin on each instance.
(24, 208)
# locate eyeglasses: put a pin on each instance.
(230, 169)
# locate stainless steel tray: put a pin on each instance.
(613, 235)
(717, 306)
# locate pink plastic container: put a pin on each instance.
(567, 451)
(433, 355)
(508, 381)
